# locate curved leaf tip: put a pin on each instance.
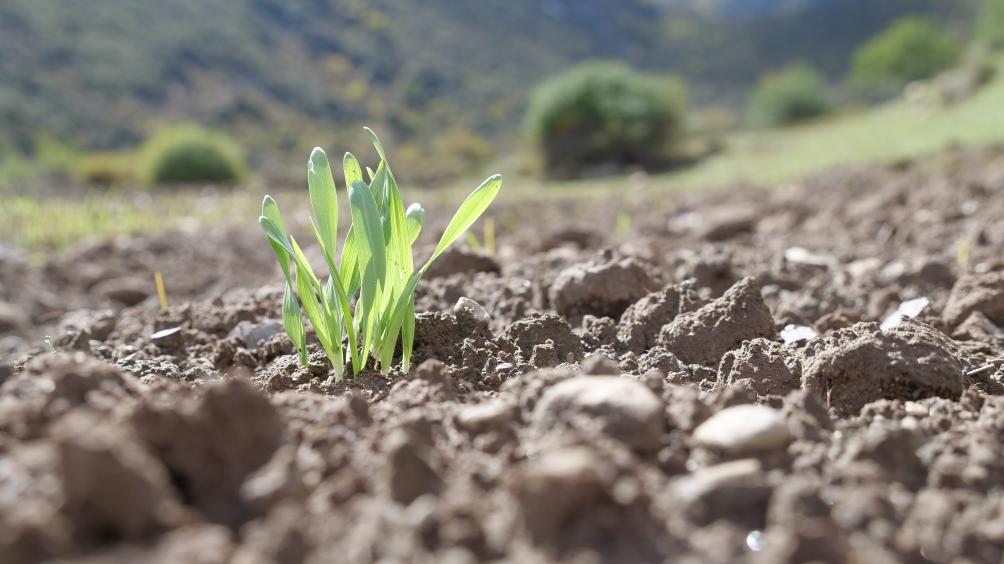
(318, 159)
(376, 143)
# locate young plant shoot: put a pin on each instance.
(367, 302)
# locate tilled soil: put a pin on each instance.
(726, 383)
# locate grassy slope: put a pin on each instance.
(895, 131)
(892, 132)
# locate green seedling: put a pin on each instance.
(367, 304)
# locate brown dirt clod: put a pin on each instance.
(852, 367)
(603, 287)
(705, 335)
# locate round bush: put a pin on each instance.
(913, 48)
(104, 169)
(189, 154)
(793, 94)
(602, 114)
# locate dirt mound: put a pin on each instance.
(603, 287)
(860, 364)
(704, 335)
(640, 325)
(764, 366)
(983, 293)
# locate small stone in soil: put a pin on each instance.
(792, 334)
(744, 429)
(557, 485)
(169, 339)
(628, 410)
(735, 490)
(906, 310)
(484, 417)
(251, 334)
(467, 307)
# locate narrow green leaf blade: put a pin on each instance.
(378, 186)
(270, 211)
(324, 201)
(369, 231)
(275, 234)
(376, 144)
(304, 265)
(408, 336)
(397, 316)
(399, 242)
(372, 261)
(347, 325)
(351, 169)
(349, 267)
(293, 323)
(313, 309)
(469, 212)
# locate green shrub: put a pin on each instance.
(796, 93)
(191, 154)
(605, 114)
(104, 169)
(913, 48)
(991, 23)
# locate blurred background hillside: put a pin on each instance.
(446, 82)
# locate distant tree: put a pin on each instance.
(913, 48)
(605, 114)
(991, 23)
(793, 94)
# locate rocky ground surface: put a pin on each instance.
(809, 373)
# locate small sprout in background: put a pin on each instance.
(366, 305)
(490, 236)
(158, 280)
(964, 256)
(489, 239)
(623, 224)
(472, 241)
(49, 346)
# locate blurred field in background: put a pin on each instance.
(896, 130)
(110, 124)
